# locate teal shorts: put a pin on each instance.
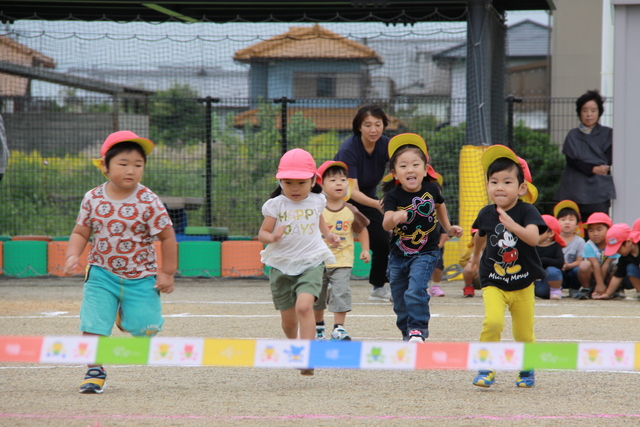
(285, 289)
(139, 300)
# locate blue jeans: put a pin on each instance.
(408, 278)
(570, 279)
(542, 288)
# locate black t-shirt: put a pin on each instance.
(367, 168)
(551, 256)
(623, 262)
(421, 232)
(507, 262)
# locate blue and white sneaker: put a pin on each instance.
(340, 334)
(485, 379)
(320, 332)
(526, 379)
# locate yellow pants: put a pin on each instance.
(521, 305)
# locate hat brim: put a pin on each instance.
(532, 194)
(559, 240)
(613, 249)
(407, 139)
(565, 204)
(294, 175)
(326, 165)
(146, 144)
(495, 152)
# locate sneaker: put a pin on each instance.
(526, 379)
(573, 293)
(320, 335)
(584, 293)
(416, 336)
(436, 291)
(340, 334)
(468, 291)
(380, 294)
(485, 379)
(555, 294)
(94, 381)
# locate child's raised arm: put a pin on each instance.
(77, 242)
(529, 234)
(443, 217)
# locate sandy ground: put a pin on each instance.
(47, 395)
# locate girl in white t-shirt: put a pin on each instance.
(292, 230)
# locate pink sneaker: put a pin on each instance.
(436, 291)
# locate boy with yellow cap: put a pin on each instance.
(122, 279)
(509, 231)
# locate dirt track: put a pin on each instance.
(45, 395)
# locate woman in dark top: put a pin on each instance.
(588, 149)
(366, 155)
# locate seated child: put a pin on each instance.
(568, 215)
(470, 277)
(549, 250)
(596, 268)
(624, 241)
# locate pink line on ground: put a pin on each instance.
(316, 416)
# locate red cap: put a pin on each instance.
(554, 225)
(296, 164)
(326, 165)
(617, 235)
(599, 218)
(126, 135)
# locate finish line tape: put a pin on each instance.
(268, 353)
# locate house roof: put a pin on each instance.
(525, 39)
(8, 45)
(324, 119)
(313, 42)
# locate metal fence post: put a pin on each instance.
(510, 112)
(283, 120)
(208, 173)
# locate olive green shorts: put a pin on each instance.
(285, 289)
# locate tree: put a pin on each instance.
(177, 117)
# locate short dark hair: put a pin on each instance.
(505, 164)
(368, 110)
(568, 211)
(591, 95)
(122, 147)
(335, 170)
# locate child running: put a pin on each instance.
(292, 229)
(122, 280)
(413, 209)
(509, 264)
(344, 220)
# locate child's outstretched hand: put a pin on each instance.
(455, 231)
(164, 282)
(400, 216)
(365, 256)
(333, 239)
(505, 219)
(278, 232)
(71, 264)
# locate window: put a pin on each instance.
(327, 85)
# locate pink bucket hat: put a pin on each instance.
(296, 164)
(599, 218)
(118, 137)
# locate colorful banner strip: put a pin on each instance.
(267, 353)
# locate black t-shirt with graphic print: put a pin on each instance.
(420, 233)
(507, 262)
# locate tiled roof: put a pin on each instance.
(324, 119)
(37, 58)
(308, 43)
